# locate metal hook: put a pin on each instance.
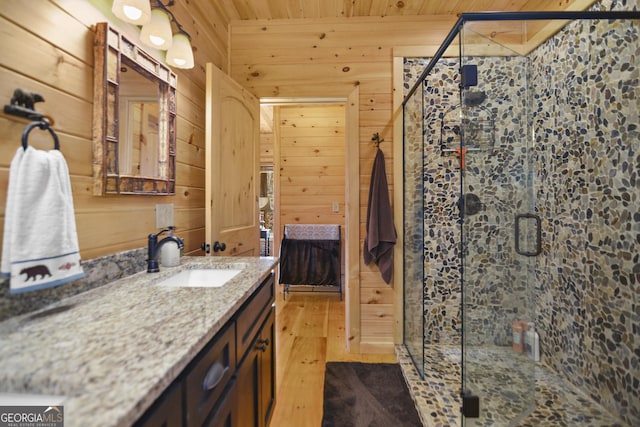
(44, 125)
(376, 138)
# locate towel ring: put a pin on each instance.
(44, 125)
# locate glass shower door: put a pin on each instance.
(498, 228)
(413, 261)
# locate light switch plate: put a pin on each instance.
(164, 215)
(335, 207)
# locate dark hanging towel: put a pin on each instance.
(380, 232)
(310, 262)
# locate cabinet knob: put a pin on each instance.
(262, 344)
(217, 246)
(205, 247)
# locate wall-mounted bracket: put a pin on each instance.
(470, 405)
(23, 104)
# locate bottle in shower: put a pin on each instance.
(517, 333)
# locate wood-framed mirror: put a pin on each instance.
(134, 118)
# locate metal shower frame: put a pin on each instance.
(470, 403)
(511, 16)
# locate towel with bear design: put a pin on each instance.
(40, 242)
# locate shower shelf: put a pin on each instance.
(468, 124)
(478, 134)
(457, 150)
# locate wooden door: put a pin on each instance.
(232, 166)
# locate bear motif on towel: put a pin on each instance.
(36, 270)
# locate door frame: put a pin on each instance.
(352, 205)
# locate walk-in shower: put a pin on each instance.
(521, 185)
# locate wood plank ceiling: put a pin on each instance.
(247, 10)
(233, 10)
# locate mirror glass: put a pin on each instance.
(134, 118)
(138, 134)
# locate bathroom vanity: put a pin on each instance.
(231, 382)
(135, 352)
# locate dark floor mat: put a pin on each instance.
(367, 394)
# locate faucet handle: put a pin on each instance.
(156, 235)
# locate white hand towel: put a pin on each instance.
(40, 243)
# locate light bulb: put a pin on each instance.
(180, 55)
(157, 32)
(156, 40)
(133, 11)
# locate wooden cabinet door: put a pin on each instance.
(232, 166)
(248, 383)
(256, 378)
(266, 345)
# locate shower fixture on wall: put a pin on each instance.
(474, 98)
(469, 204)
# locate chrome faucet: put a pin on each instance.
(154, 246)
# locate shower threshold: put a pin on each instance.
(438, 401)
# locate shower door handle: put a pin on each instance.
(538, 225)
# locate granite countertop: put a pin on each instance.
(113, 350)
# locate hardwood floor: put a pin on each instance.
(310, 331)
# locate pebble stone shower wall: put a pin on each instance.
(497, 284)
(586, 86)
(583, 87)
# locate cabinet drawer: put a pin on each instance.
(209, 375)
(252, 315)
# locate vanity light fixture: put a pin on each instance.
(157, 31)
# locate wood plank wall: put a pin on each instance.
(330, 58)
(47, 47)
(266, 148)
(311, 143)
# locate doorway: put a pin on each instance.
(350, 210)
(303, 151)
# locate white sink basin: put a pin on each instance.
(200, 278)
